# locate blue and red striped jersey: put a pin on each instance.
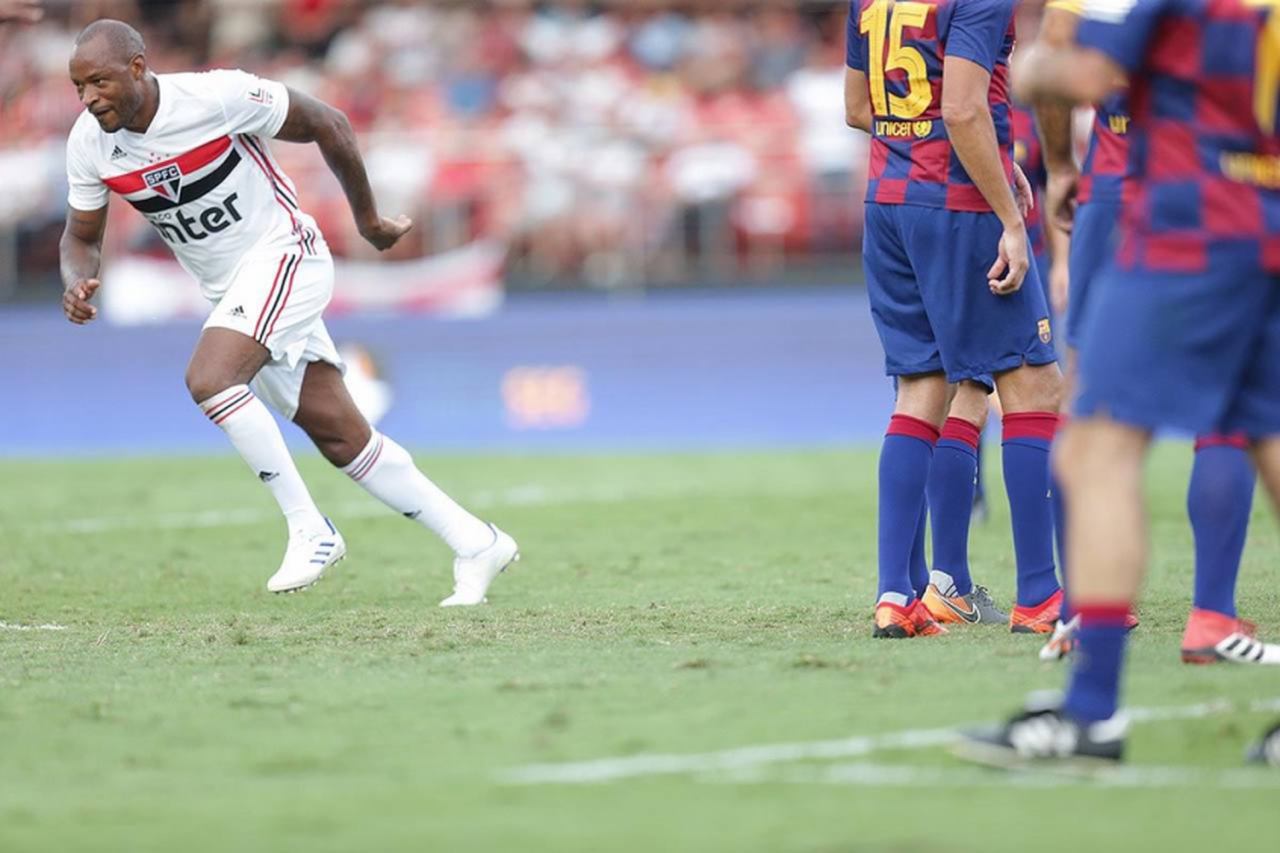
(1204, 152)
(901, 47)
(1107, 162)
(1028, 154)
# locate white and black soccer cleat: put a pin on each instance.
(1041, 736)
(1062, 642)
(473, 575)
(1267, 750)
(307, 558)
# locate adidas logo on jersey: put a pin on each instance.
(116, 153)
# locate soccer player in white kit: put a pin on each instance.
(188, 151)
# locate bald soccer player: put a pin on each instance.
(189, 152)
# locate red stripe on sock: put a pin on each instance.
(958, 429)
(913, 428)
(1102, 614)
(1037, 425)
(222, 418)
(1237, 440)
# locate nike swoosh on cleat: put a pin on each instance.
(971, 615)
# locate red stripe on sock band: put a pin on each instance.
(1102, 614)
(958, 429)
(218, 409)
(913, 428)
(363, 466)
(246, 401)
(1238, 440)
(1037, 425)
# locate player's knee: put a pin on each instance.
(923, 397)
(203, 383)
(1032, 389)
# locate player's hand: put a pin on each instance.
(1060, 198)
(1026, 195)
(25, 11)
(1059, 287)
(1010, 268)
(385, 233)
(75, 301)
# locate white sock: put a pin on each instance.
(386, 471)
(254, 433)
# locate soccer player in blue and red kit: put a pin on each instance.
(946, 252)
(1220, 494)
(1184, 331)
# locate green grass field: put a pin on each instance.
(676, 605)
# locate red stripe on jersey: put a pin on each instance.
(280, 198)
(192, 161)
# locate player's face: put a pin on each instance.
(110, 89)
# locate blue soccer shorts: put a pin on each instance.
(926, 272)
(1198, 352)
(1093, 244)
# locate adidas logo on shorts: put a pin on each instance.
(238, 311)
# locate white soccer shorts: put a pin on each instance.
(278, 300)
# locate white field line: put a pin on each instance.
(747, 758)
(874, 775)
(5, 626)
(529, 495)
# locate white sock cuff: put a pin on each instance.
(226, 403)
(366, 459)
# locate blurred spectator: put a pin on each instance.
(609, 144)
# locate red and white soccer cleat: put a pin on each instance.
(1215, 637)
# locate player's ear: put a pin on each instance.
(138, 66)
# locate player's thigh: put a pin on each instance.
(1093, 245)
(1171, 349)
(1255, 407)
(222, 358)
(326, 411)
(979, 334)
(897, 309)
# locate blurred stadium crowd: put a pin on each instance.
(607, 144)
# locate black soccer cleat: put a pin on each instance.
(1267, 750)
(1041, 736)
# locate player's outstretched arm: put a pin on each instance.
(966, 111)
(80, 257)
(1054, 121)
(312, 120)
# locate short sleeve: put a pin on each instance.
(86, 190)
(1120, 28)
(854, 50)
(978, 31)
(251, 104)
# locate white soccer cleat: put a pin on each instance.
(1063, 641)
(307, 558)
(472, 575)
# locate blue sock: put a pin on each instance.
(1219, 500)
(979, 488)
(1060, 536)
(904, 471)
(919, 565)
(1027, 438)
(1093, 692)
(951, 490)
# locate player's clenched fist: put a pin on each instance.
(75, 301)
(385, 233)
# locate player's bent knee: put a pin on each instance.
(203, 384)
(1031, 388)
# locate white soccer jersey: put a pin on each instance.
(201, 174)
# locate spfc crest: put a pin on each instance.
(165, 181)
(1046, 332)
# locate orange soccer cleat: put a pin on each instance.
(1039, 619)
(898, 623)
